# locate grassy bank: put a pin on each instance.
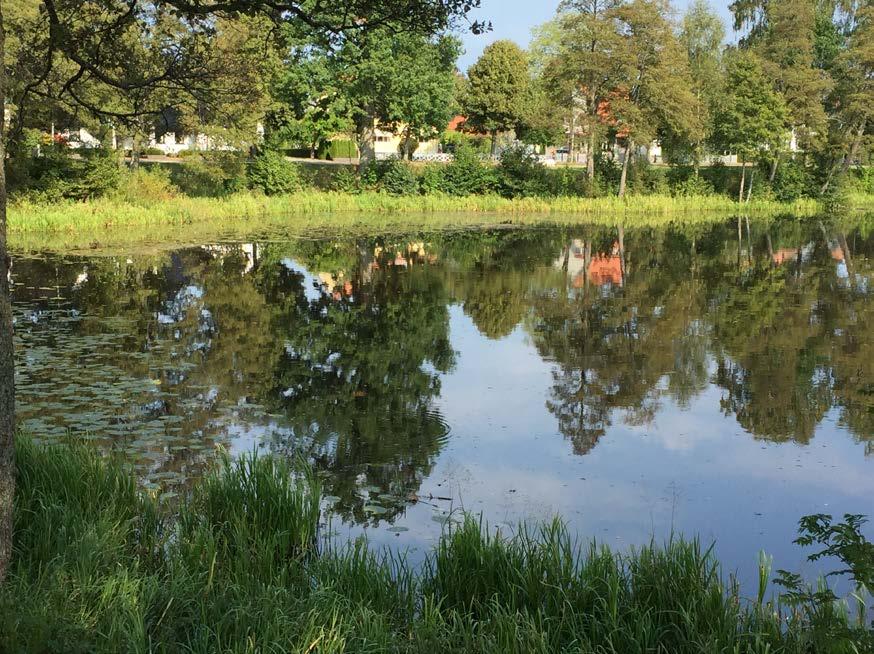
(99, 567)
(322, 208)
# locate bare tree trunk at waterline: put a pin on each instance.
(743, 179)
(7, 370)
(623, 180)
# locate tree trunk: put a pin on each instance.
(7, 369)
(774, 164)
(494, 143)
(590, 157)
(136, 151)
(312, 150)
(623, 180)
(854, 149)
(408, 153)
(848, 159)
(570, 141)
(743, 179)
(366, 141)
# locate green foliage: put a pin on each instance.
(819, 606)
(793, 181)
(646, 179)
(218, 522)
(210, 174)
(607, 172)
(100, 567)
(467, 174)
(146, 186)
(340, 149)
(273, 174)
(56, 175)
(398, 178)
(750, 114)
(685, 183)
(346, 180)
(497, 90)
(521, 174)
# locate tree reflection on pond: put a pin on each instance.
(336, 351)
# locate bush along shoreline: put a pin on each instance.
(100, 566)
(58, 192)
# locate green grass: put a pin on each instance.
(112, 222)
(237, 567)
(327, 208)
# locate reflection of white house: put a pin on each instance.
(249, 252)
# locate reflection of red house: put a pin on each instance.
(606, 270)
(602, 269)
(783, 255)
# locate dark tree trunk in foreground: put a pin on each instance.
(7, 370)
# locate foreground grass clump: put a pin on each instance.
(100, 567)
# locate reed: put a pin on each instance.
(315, 209)
(101, 567)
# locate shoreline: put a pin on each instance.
(104, 222)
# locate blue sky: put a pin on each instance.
(513, 19)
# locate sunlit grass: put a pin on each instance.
(180, 220)
(101, 567)
(315, 208)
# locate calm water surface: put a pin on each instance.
(636, 382)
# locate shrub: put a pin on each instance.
(273, 174)
(646, 179)
(792, 182)
(521, 174)
(432, 179)
(101, 174)
(565, 181)
(210, 174)
(694, 186)
(398, 178)
(684, 182)
(346, 180)
(341, 149)
(147, 186)
(468, 175)
(54, 175)
(607, 174)
(862, 179)
(151, 151)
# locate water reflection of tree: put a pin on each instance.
(614, 343)
(343, 343)
(359, 375)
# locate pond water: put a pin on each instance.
(636, 382)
